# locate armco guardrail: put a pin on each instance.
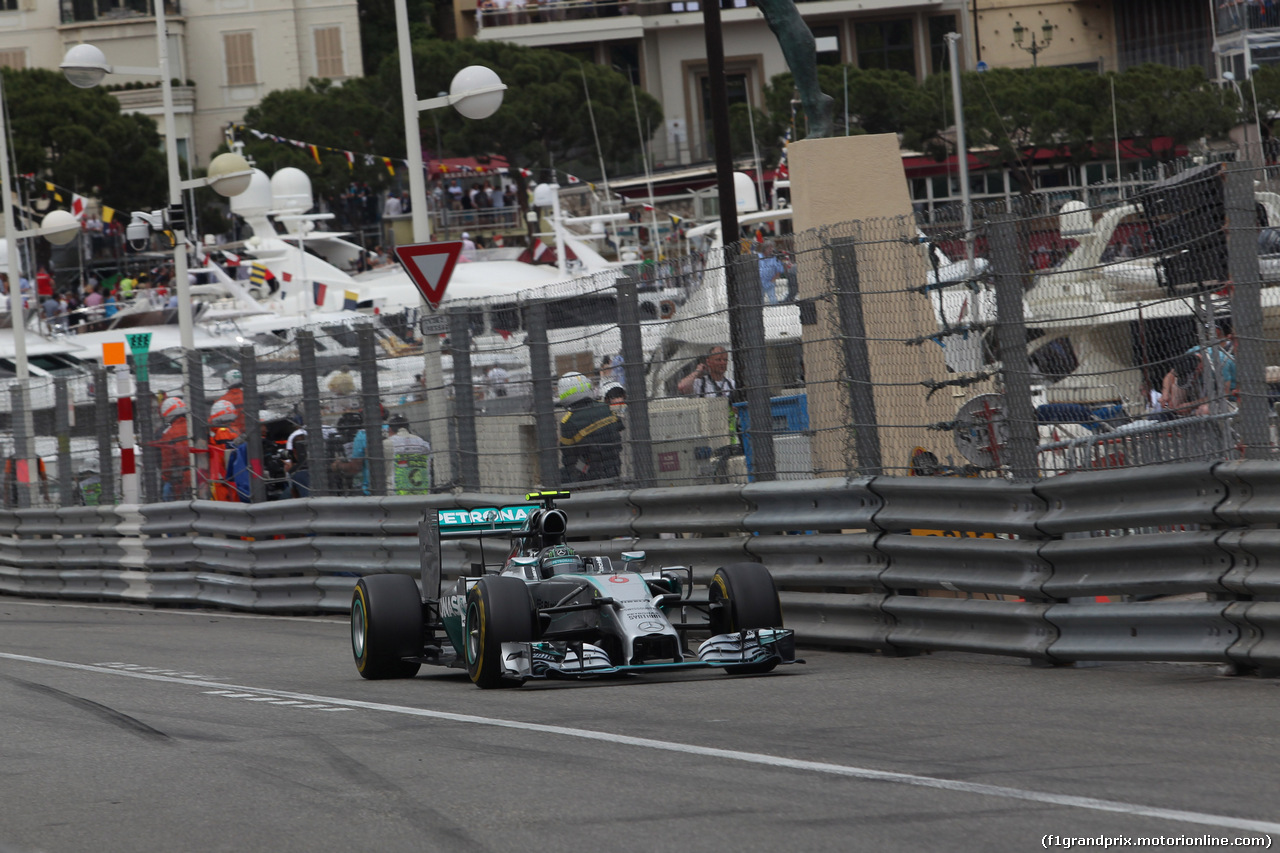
(1176, 562)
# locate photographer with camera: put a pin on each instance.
(710, 377)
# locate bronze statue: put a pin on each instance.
(798, 48)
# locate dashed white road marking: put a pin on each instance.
(273, 700)
(331, 703)
(155, 670)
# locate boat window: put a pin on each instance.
(505, 318)
(590, 310)
(344, 335)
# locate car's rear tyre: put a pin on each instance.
(747, 600)
(499, 610)
(386, 626)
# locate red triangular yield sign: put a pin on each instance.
(430, 265)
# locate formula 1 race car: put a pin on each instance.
(549, 612)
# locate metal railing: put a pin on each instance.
(1166, 563)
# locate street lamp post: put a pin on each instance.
(58, 227)
(475, 92)
(1035, 48)
(229, 174)
(85, 66)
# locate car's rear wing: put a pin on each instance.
(512, 522)
(483, 521)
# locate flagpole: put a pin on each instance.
(604, 174)
(648, 177)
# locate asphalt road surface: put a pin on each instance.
(133, 729)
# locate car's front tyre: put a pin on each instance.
(743, 598)
(499, 610)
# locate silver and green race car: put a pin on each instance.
(549, 612)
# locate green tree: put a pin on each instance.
(1011, 114)
(359, 116)
(79, 139)
(1156, 101)
(544, 119)
(378, 29)
(879, 101)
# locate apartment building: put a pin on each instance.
(659, 43)
(227, 54)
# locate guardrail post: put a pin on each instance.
(62, 431)
(148, 435)
(857, 358)
(1009, 275)
(106, 428)
(252, 424)
(318, 460)
(638, 435)
(374, 455)
(464, 399)
(1252, 422)
(544, 407)
(198, 419)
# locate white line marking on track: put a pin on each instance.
(863, 773)
(337, 618)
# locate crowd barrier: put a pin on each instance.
(1170, 563)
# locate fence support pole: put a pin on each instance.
(104, 417)
(148, 436)
(318, 460)
(374, 455)
(857, 358)
(544, 407)
(1009, 273)
(464, 400)
(20, 462)
(638, 434)
(198, 419)
(62, 431)
(751, 368)
(253, 424)
(1252, 423)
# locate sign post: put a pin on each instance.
(430, 266)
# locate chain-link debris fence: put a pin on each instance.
(1141, 331)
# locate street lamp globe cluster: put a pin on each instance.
(1036, 47)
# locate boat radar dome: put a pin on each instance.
(291, 190)
(744, 192)
(256, 200)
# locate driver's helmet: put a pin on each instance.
(558, 560)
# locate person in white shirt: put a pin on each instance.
(710, 377)
(412, 454)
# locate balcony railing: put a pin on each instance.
(86, 11)
(502, 13)
(1233, 16)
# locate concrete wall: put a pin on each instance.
(860, 178)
